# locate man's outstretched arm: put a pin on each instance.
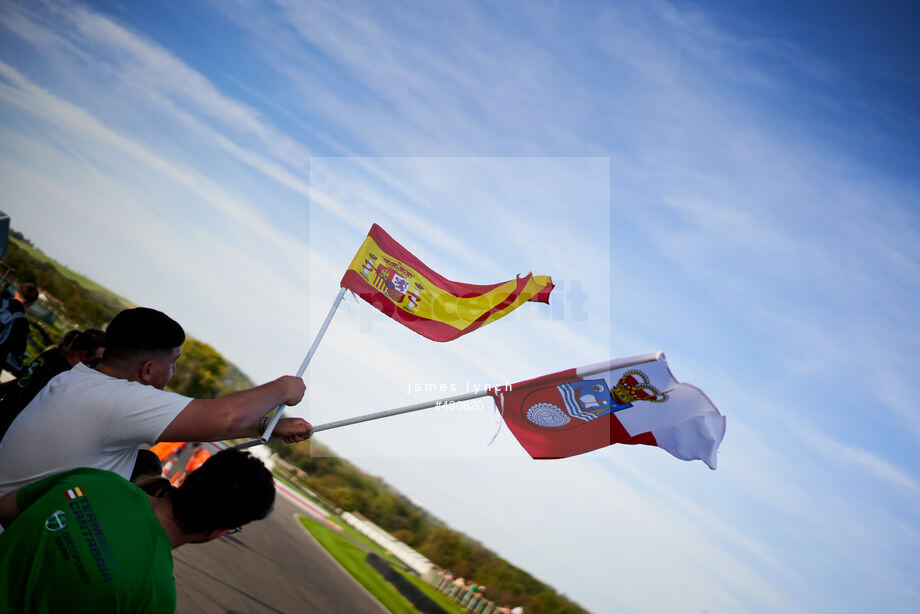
(238, 414)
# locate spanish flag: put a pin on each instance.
(397, 283)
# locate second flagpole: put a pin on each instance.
(600, 367)
(382, 414)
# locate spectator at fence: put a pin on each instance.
(88, 540)
(167, 452)
(200, 454)
(86, 347)
(14, 328)
(99, 418)
(148, 473)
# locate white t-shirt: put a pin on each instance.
(84, 418)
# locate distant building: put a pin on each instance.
(415, 561)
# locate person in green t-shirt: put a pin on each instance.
(87, 540)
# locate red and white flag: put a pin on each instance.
(633, 401)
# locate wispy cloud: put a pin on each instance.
(778, 269)
(24, 94)
(836, 452)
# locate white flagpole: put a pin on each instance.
(266, 435)
(381, 414)
(601, 367)
(399, 410)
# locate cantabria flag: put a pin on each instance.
(632, 401)
(397, 283)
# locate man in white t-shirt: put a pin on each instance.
(98, 418)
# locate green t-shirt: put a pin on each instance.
(86, 541)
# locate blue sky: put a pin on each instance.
(732, 184)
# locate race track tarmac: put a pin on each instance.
(272, 566)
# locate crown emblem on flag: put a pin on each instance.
(399, 267)
(634, 385)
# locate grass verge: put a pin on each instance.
(351, 557)
(349, 530)
(438, 597)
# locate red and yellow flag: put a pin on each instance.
(397, 283)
